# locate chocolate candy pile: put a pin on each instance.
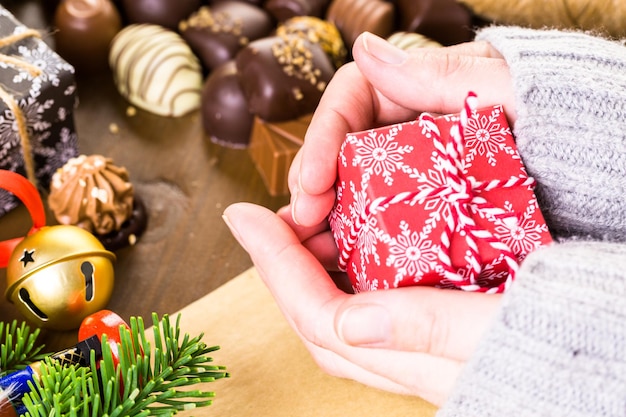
(237, 59)
(250, 67)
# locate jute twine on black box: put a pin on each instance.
(9, 100)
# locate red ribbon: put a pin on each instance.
(460, 191)
(24, 190)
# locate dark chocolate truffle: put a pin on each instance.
(218, 32)
(283, 77)
(353, 17)
(225, 115)
(84, 32)
(319, 31)
(167, 13)
(286, 9)
(445, 21)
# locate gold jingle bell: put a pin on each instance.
(59, 275)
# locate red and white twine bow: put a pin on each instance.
(461, 192)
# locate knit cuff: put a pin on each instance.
(570, 93)
(558, 346)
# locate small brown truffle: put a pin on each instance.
(166, 13)
(353, 17)
(93, 193)
(283, 77)
(225, 115)
(286, 9)
(84, 32)
(445, 21)
(317, 31)
(218, 32)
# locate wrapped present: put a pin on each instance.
(37, 100)
(272, 149)
(443, 202)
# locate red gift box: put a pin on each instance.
(443, 201)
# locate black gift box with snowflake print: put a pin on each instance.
(37, 101)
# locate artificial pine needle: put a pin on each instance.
(147, 381)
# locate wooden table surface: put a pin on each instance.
(186, 182)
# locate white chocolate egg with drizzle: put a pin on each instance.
(154, 69)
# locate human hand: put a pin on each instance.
(411, 340)
(387, 85)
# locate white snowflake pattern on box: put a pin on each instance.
(47, 102)
(400, 243)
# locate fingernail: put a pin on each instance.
(383, 50)
(234, 231)
(294, 202)
(365, 324)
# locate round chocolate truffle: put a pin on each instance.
(93, 193)
(155, 70)
(218, 32)
(166, 13)
(286, 9)
(353, 17)
(84, 32)
(225, 115)
(283, 77)
(445, 21)
(319, 31)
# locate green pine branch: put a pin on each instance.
(18, 347)
(154, 380)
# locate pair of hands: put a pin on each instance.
(412, 340)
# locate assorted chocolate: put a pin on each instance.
(410, 40)
(283, 77)
(84, 31)
(166, 13)
(273, 146)
(317, 31)
(353, 17)
(446, 21)
(225, 114)
(93, 193)
(248, 66)
(155, 69)
(283, 10)
(218, 32)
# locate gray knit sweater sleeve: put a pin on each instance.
(571, 129)
(558, 345)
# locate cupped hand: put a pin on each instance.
(412, 340)
(387, 85)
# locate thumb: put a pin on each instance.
(435, 80)
(437, 322)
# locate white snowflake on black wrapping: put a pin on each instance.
(9, 142)
(45, 59)
(57, 155)
(37, 129)
(379, 153)
(486, 137)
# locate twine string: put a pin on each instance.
(461, 193)
(12, 104)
